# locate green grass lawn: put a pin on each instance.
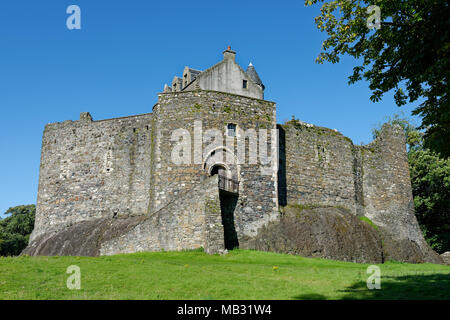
(241, 274)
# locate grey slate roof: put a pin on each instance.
(251, 72)
(194, 73)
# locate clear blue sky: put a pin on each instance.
(125, 52)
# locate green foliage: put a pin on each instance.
(197, 107)
(430, 180)
(370, 222)
(15, 230)
(196, 275)
(227, 109)
(409, 54)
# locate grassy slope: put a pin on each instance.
(195, 275)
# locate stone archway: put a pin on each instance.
(222, 157)
(218, 169)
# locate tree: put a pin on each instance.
(409, 53)
(15, 229)
(430, 180)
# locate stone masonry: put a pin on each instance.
(115, 181)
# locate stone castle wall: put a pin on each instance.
(190, 221)
(120, 173)
(318, 165)
(388, 199)
(93, 169)
(122, 167)
(321, 167)
(257, 201)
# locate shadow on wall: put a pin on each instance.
(416, 287)
(282, 191)
(228, 203)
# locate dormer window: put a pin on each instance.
(231, 130)
(244, 84)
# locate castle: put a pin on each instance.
(156, 181)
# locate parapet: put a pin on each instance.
(86, 116)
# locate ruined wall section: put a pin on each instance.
(321, 167)
(93, 169)
(257, 203)
(388, 199)
(317, 166)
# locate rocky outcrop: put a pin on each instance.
(82, 239)
(336, 233)
(407, 250)
(331, 233)
(446, 257)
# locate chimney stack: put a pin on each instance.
(229, 54)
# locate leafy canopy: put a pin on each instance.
(409, 53)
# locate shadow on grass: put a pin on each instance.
(409, 287)
(433, 286)
(310, 296)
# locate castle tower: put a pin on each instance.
(254, 75)
(237, 125)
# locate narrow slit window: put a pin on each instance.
(244, 84)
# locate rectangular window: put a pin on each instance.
(244, 84)
(231, 130)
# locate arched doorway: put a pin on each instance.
(221, 158)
